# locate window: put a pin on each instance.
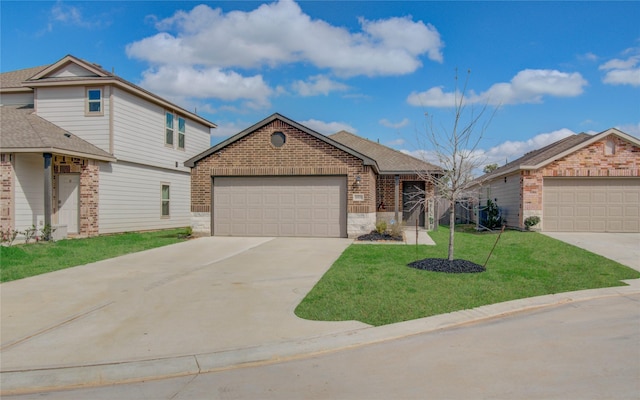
(609, 148)
(181, 132)
(168, 137)
(165, 200)
(94, 101)
(278, 139)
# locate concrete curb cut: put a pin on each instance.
(40, 380)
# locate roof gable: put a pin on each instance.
(71, 67)
(537, 159)
(365, 159)
(388, 159)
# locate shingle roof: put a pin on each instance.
(388, 159)
(14, 79)
(22, 130)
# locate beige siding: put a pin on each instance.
(139, 134)
(130, 198)
(7, 99)
(29, 190)
(65, 107)
(506, 192)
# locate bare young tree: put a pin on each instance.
(455, 151)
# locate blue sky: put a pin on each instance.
(548, 69)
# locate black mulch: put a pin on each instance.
(375, 236)
(444, 265)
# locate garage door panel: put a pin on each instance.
(280, 206)
(591, 204)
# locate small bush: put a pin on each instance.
(531, 221)
(381, 227)
(395, 229)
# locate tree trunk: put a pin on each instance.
(452, 227)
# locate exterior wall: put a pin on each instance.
(139, 134)
(65, 107)
(7, 184)
(7, 99)
(253, 155)
(29, 191)
(130, 198)
(590, 161)
(505, 191)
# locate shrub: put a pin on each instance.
(381, 227)
(531, 221)
(395, 229)
(494, 218)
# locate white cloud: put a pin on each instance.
(504, 152)
(65, 14)
(318, 85)
(631, 129)
(280, 33)
(328, 128)
(176, 81)
(396, 142)
(622, 72)
(397, 125)
(228, 129)
(527, 86)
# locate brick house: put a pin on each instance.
(280, 178)
(88, 152)
(582, 183)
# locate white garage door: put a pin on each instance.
(591, 205)
(308, 206)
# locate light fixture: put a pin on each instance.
(358, 179)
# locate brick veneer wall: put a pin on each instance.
(590, 161)
(6, 192)
(302, 154)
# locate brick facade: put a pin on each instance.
(6, 192)
(302, 154)
(590, 161)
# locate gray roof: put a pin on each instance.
(389, 160)
(14, 79)
(21, 130)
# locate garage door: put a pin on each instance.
(309, 206)
(591, 205)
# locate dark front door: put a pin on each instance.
(413, 203)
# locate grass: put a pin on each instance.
(25, 260)
(372, 284)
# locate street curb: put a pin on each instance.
(71, 377)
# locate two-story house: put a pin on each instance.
(88, 152)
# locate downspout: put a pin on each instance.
(397, 195)
(48, 191)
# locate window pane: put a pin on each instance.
(165, 192)
(165, 208)
(94, 94)
(94, 106)
(169, 121)
(181, 125)
(181, 140)
(169, 136)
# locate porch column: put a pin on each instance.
(48, 189)
(397, 194)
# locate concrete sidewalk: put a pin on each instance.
(205, 305)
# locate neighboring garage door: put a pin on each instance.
(591, 205)
(307, 206)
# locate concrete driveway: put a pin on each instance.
(204, 295)
(621, 247)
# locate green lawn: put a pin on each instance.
(372, 284)
(24, 260)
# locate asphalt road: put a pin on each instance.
(582, 350)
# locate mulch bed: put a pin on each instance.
(375, 236)
(444, 265)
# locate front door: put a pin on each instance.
(68, 199)
(413, 203)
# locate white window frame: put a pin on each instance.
(609, 147)
(90, 101)
(163, 200)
